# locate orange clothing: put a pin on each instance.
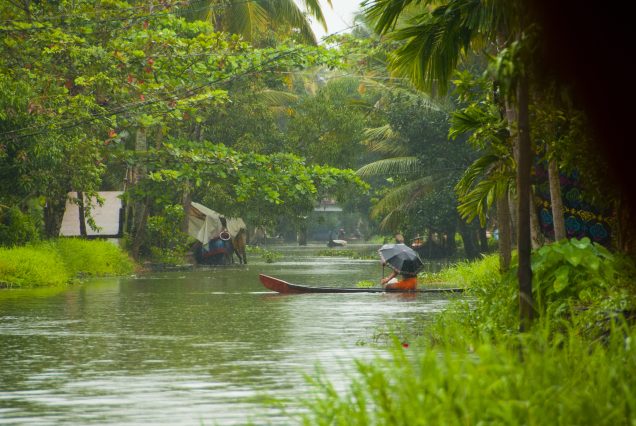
(405, 284)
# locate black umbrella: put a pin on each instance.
(401, 258)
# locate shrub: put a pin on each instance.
(16, 228)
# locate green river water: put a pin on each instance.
(202, 347)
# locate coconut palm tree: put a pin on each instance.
(435, 41)
(251, 18)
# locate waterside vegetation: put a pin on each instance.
(470, 365)
(60, 262)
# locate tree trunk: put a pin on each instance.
(470, 248)
(535, 227)
(186, 199)
(140, 208)
(301, 235)
(505, 233)
(556, 200)
(483, 240)
(53, 215)
(513, 209)
(82, 213)
(139, 228)
(524, 243)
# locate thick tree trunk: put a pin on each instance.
(505, 233)
(556, 200)
(139, 228)
(524, 243)
(470, 247)
(53, 215)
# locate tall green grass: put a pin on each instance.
(566, 381)
(92, 257)
(32, 266)
(60, 261)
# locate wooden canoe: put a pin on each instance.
(280, 286)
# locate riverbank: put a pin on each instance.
(470, 365)
(60, 262)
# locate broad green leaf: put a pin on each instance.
(561, 280)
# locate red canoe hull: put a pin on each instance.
(281, 286)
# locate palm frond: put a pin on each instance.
(391, 166)
(276, 98)
(385, 140)
(479, 168)
(315, 10)
(408, 92)
(246, 18)
(403, 197)
(385, 13)
(392, 220)
(289, 12)
(480, 199)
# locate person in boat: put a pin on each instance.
(391, 282)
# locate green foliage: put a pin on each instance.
(164, 230)
(273, 186)
(536, 382)
(16, 228)
(58, 262)
(270, 256)
(571, 271)
(469, 365)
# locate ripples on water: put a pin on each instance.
(209, 346)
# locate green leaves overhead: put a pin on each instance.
(253, 181)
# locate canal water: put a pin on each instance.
(209, 346)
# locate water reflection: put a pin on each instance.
(203, 347)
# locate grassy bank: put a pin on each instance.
(59, 262)
(471, 366)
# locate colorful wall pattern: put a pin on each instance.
(582, 219)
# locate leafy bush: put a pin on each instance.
(164, 231)
(16, 228)
(571, 270)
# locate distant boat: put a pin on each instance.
(335, 243)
